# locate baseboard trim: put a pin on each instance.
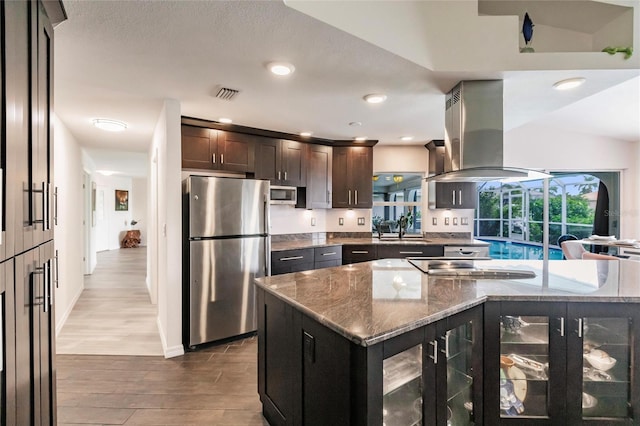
(169, 352)
(65, 316)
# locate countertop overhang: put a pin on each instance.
(370, 302)
(301, 244)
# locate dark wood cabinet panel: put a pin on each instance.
(236, 152)
(455, 195)
(199, 146)
(281, 161)
(359, 253)
(319, 177)
(352, 177)
(285, 261)
(267, 159)
(293, 163)
(401, 251)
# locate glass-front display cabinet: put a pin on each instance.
(560, 363)
(402, 388)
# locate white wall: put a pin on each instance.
(138, 207)
(534, 146)
(111, 224)
(165, 231)
(68, 241)
(89, 167)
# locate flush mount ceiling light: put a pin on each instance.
(109, 125)
(305, 134)
(375, 98)
(568, 84)
(360, 138)
(225, 120)
(398, 178)
(375, 178)
(281, 68)
(406, 138)
(106, 172)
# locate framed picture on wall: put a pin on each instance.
(122, 200)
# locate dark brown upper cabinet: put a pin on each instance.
(352, 177)
(281, 161)
(212, 149)
(319, 177)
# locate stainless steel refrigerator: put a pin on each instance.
(225, 246)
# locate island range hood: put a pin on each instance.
(473, 143)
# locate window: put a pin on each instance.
(514, 211)
(396, 195)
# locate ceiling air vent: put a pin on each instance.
(226, 93)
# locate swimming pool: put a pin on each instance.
(512, 250)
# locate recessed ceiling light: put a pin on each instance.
(109, 125)
(360, 138)
(406, 138)
(375, 98)
(281, 68)
(570, 83)
(305, 134)
(225, 120)
(106, 172)
(355, 123)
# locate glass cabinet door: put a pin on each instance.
(460, 371)
(524, 366)
(402, 388)
(606, 378)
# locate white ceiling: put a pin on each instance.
(120, 59)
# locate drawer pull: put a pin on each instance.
(410, 252)
(329, 254)
(359, 252)
(284, 259)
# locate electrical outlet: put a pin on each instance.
(341, 221)
(434, 221)
(464, 221)
(313, 221)
(455, 221)
(361, 221)
(446, 221)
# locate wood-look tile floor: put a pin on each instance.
(213, 386)
(114, 314)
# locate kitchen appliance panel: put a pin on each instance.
(220, 207)
(221, 289)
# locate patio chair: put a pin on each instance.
(572, 249)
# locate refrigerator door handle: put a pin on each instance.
(267, 239)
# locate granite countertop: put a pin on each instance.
(300, 244)
(373, 301)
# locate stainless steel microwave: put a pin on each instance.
(283, 195)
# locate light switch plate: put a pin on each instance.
(434, 221)
(341, 221)
(455, 221)
(361, 221)
(313, 221)
(464, 221)
(446, 221)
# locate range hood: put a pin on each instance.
(473, 144)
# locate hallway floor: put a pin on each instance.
(114, 315)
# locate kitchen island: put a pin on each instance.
(382, 342)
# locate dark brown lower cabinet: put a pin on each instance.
(310, 375)
(561, 363)
(353, 253)
(35, 337)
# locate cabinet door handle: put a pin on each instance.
(329, 254)
(410, 252)
(445, 351)
(284, 259)
(460, 197)
(327, 197)
(57, 279)
(285, 175)
(561, 330)
(579, 330)
(356, 192)
(213, 158)
(221, 158)
(453, 193)
(359, 252)
(434, 356)
(44, 206)
(55, 206)
(349, 197)
(279, 175)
